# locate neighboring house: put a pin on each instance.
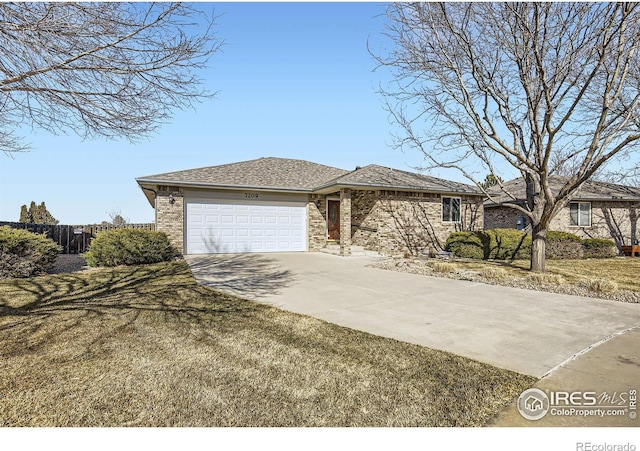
(279, 205)
(598, 210)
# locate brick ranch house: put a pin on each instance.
(598, 210)
(284, 205)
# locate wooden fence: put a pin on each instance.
(74, 239)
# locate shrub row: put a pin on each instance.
(24, 253)
(129, 247)
(495, 244)
(511, 244)
(599, 248)
(564, 245)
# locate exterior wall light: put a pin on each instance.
(171, 199)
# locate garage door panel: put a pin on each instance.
(227, 233)
(245, 226)
(211, 232)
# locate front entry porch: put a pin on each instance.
(330, 222)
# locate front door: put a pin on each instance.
(333, 220)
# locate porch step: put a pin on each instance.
(334, 249)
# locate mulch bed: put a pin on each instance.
(66, 263)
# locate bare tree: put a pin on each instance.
(99, 69)
(116, 218)
(532, 85)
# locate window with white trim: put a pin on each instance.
(451, 209)
(580, 214)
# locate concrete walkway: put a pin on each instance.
(609, 370)
(521, 330)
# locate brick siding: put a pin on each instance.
(317, 224)
(399, 223)
(170, 217)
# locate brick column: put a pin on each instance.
(345, 222)
(170, 217)
(317, 225)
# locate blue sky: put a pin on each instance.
(294, 80)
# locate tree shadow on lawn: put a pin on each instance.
(37, 310)
(246, 275)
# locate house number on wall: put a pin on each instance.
(251, 195)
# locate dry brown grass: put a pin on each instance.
(546, 278)
(494, 274)
(146, 346)
(621, 271)
(442, 267)
(599, 285)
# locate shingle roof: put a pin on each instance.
(273, 173)
(375, 176)
(300, 175)
(591, 190)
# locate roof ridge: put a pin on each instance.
(417, 174)
(238, 163)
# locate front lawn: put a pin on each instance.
(146, 346)
(622, 271)
(614, 278)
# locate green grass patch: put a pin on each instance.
(146, 346)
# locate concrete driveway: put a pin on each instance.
(525, 331)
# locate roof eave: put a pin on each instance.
(205, 185)
(326, 189)
(490, 204)
(607, 199)
(147, 193)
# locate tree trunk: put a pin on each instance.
(538, 247)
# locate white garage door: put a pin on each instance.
(232, 226)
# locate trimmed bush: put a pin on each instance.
(495, 244)
(24, 253)
(465, 245)
(129, 247)
(507, 244)
(599, 248)
(563, 245)
(512, 244)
